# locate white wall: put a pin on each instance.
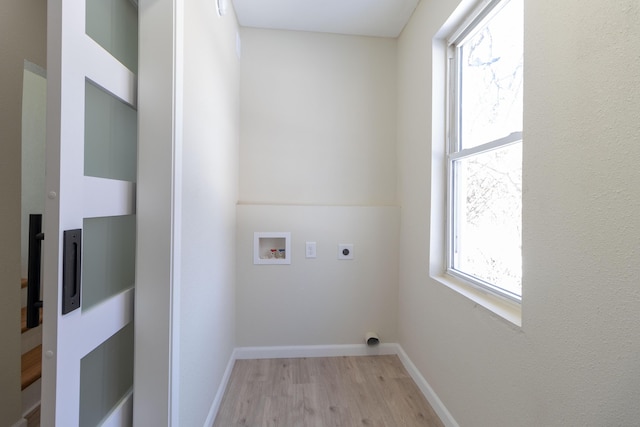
(318, 119)
(317, 158)
(322, 300)
(34, 100)
(22, 36)
(209, 196)
(576, 359)
(187, 192)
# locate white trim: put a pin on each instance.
(440, 202)
(155, 368)
(428, 392)
(313, 351)
(512, 138)
(504, 307)
(487, 287)
(215, 406)
(480, 13)
(176, 213)
(455, 185)
(285, 352)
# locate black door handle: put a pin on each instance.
(34, 264)
(71, 270)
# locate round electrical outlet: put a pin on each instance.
(345, 251)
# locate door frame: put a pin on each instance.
(157, 304)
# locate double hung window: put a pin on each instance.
(484, 155)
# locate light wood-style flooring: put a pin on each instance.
(324, 392)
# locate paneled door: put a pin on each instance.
(90, 222)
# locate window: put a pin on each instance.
(484, 154)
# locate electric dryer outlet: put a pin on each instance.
(345, 251)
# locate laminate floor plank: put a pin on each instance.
(372, 391)
(31, 366)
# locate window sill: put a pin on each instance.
(508, 310)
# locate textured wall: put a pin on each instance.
(576, 359)
(22, 36)
(318, 159)
(318, 118)
(33, 139)
(189, 131)
(209, 195)
(322, 300)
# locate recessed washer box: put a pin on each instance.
(271, 247)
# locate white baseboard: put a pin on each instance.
(428, 392)
(286, 352)
(314, 351)
(215, 406)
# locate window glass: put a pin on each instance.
(491, 61)
(485, 156)
(489, 213)
(113, 24)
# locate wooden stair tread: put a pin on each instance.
(23, 319)
(31, 366)
(23, 282)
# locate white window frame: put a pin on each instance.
(454, 152)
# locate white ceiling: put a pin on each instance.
(379, 18)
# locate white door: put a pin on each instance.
(90, 223)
